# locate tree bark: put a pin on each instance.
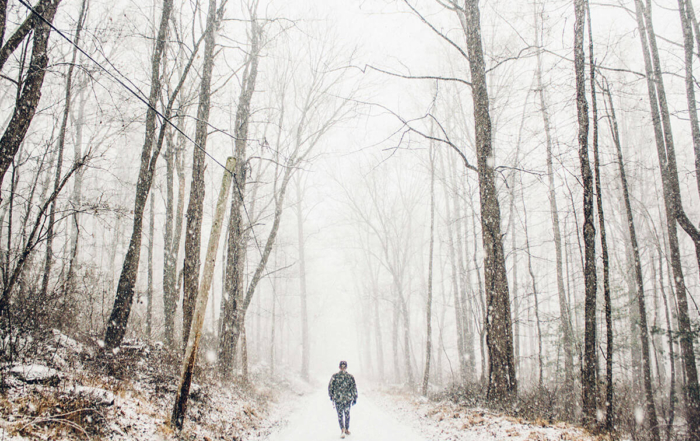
(589, 361)
(502, 385)
(609, 390)
(173, 237)
(195, 206)
(601, 223)
(169, 263)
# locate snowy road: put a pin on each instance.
(315, 419)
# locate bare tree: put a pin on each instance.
(564, 315)
(639, 279)
(429, 306)
(195, 206)
(238, 231)
(601, 218)
(499, 337)
(305, 350)
(687, 13)
(60, 143)
(502, 384)
(29, 92)
(589, 356)
(149, 156)
(672, 202)
(318, 112)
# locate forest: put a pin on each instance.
(488, 208)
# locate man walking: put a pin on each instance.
(343, 393)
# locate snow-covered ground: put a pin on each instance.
(381, 417)
(313, 418)
(65, 393)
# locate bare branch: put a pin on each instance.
(440, 34)
(412, 77)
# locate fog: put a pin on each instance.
(363, 188)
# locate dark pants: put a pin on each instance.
(343, 410)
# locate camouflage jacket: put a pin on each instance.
(342, 388)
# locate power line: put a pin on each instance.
(121, 83)
(167, 120)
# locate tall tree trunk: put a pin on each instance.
(671, 353)
(564, 316)
(302, 286)
(149, 289)
(673, 205)
(511, 220)
(517, 331)
(273, 319)
(265, 253)
(244, 356)
(195, 206)
(461, 275)
(685, 8)
(76, 197)
(536, 302)
(601, 223)
(406, 328)
(237, 233)
(3, 18)
(30, 91)
(169, 263)
(429, 304)
(378, 332)
(589, 363)
(460, 322)
(119, 318)
(14, 41)
(171, 287)
(609, 390)
(60, 143)
(639, 279)
(502, 380)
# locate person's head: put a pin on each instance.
(343, 365)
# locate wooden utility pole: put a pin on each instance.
(183, 391)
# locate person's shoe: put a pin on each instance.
(347, 432)
(342, 435)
